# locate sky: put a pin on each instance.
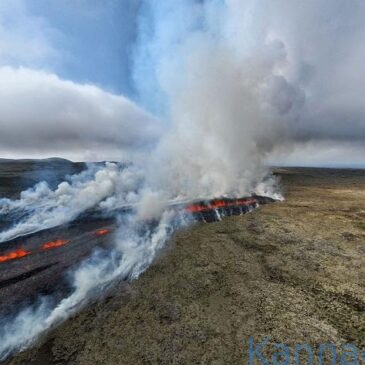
(66, 80)
(86, 79)
(80, 40)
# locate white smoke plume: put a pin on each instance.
(40, 207)
(228, 102)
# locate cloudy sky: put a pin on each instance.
(65, 80)
(80, 78)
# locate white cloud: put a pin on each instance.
(42, 114)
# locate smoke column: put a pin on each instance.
(219, 81)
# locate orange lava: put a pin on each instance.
(102, 232)
(17, 254)
(54, 244)
(197, 208)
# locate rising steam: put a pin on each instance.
(228, 101)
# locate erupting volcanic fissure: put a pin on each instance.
(214, 210)
(220, 203)
(205, 211)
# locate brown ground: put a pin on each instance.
(293, 270)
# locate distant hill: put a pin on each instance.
(19, 175)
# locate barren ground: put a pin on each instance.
(294, 271)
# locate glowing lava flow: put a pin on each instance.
(102, 232)
(17, 254)
(54, 244)
(216, 204)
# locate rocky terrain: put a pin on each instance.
(294, 271)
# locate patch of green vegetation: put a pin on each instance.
(361, 225)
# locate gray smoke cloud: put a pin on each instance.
(325, 52)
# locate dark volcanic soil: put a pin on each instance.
(294, 271)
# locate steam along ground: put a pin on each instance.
(294, 271)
